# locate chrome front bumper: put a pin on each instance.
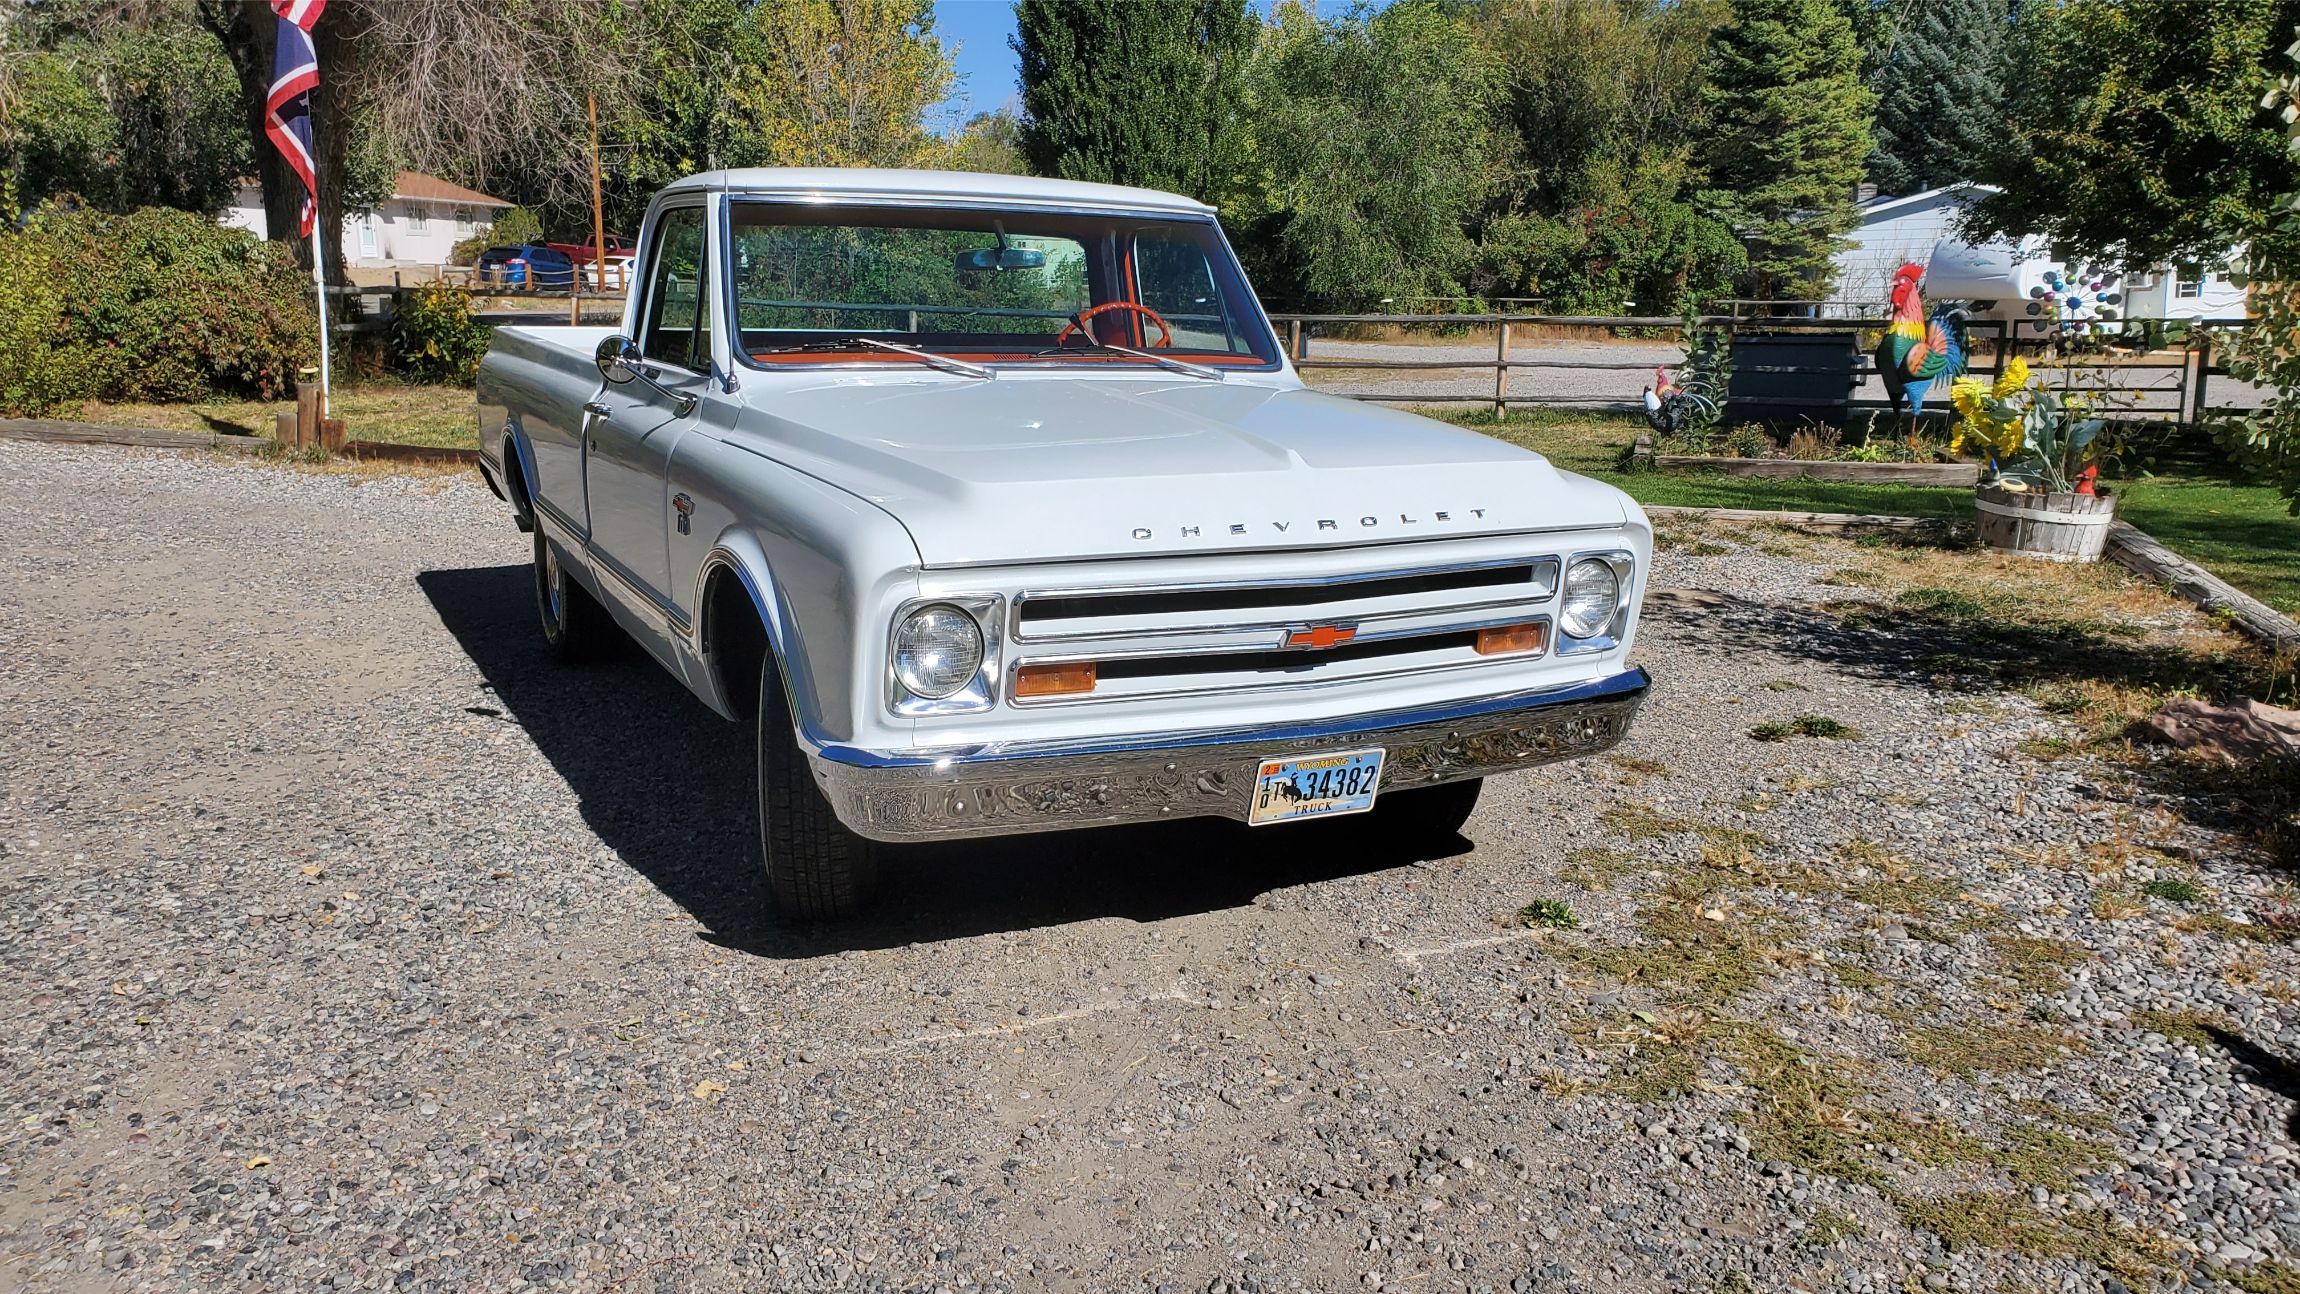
(1006, 790)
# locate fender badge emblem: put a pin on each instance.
(685, 507)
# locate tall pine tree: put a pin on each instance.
(1940, 93)
(1147, 92)
(1788, 133)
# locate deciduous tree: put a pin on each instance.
(990, 142)
(1594, 215)
(121, 115)
(841, 82)
(1376, 154)
(2135, 131)
(2266, 440)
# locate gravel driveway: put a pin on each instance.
(347, 944)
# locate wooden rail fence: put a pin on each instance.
(2178, 395)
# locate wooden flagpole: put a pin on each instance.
(598, 205)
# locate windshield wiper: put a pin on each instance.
(943, 362)
(1163, 361)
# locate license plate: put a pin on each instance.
(1316, 786)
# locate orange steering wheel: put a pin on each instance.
(1165, 333)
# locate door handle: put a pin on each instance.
(596, 408)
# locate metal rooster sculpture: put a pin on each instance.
(1668, 408)
(1675, 405)
(1918, 351)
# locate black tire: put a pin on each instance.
(816, 868)
(1427, 815)
(573, 621)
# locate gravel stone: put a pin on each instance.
(349, 944)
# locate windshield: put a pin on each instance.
(988, 284)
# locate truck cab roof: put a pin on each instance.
(833, 184)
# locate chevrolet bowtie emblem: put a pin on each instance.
(1321, 636)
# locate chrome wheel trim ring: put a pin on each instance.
(554, 587)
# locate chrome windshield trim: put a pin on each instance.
(1630, 682)
(730, 303)
(963, 202)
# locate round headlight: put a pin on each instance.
(937, 650)
(1592, 592)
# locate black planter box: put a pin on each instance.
(1793, 377)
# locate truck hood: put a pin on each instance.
(1033, 468)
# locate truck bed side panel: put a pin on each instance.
(541, 377)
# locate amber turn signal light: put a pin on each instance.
(1071, 678)
(1510, 640)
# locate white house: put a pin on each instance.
(2001, 278)
(419, 224)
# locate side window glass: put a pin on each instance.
(1175, 280)
(678, 320)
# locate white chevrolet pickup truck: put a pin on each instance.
(996, 506)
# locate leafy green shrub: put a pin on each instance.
(166, 305)
(41, 372)
(1749, 440)
(517, 225)
(436, 336)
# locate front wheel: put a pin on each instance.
(573, 620)
(816, 868)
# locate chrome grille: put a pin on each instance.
(1189, 638)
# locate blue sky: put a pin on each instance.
(977, 29)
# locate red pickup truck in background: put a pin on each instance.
(618, 270)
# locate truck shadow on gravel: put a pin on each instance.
(667, 785)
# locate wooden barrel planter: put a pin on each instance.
(2056, 527)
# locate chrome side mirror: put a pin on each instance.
(619, 359)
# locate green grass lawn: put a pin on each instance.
(397, 412)
(2192, 503)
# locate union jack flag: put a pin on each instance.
(287, 109)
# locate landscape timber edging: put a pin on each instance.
(58, 432)
(1826, 469)
(1819, 469)
(2128, 546)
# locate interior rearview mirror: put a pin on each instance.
(1000, 258)
(618, 358)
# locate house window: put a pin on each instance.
(418, 218)
(463, 222)
(2188, 281)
